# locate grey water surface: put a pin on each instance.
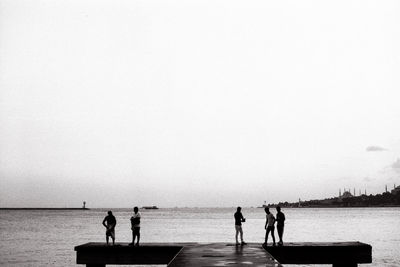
(48, 237)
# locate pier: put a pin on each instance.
(338, 254)
(343, 254)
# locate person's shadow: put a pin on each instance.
(239, 249)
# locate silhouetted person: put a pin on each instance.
(135, 226)
(238, 225)
(280, 224)
(109, 223)
(269, 226)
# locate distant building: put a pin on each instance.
(395, 191)
(346, 194)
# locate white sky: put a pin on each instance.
(196, 103)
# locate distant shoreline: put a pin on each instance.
(44, 209)
(329, 207)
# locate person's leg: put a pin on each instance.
(138, 235)
(237, 234)
(241, 234)
(273, 234)
(266, 235)
(133, 236)
(107, 239)
(280, 233)
(113, 236)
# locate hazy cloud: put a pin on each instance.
(396, 166)
(367, 179)
(375, 148)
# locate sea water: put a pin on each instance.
(48, 237)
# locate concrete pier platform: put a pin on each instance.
(335, 253)
(100, 254)
(220, 254)
(174, 254)
(342, 254)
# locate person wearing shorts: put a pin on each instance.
(269, 226)
(135, 226)
(109, 223)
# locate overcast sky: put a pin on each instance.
(196, 103)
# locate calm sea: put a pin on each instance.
(47, 238)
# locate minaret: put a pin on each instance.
(340, 192)
(385, 188)
(84, 204)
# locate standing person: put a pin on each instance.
(135, 226)
(280, 224)
(238, 225)
(109, 223)
(269, 226)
